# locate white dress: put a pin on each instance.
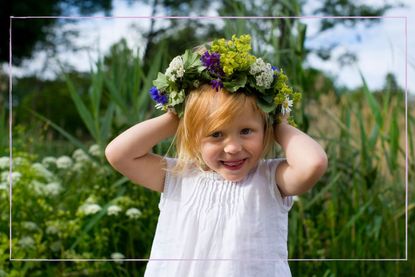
(211, 227)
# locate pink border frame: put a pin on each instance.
(210, 17)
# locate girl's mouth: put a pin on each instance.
(233, 165)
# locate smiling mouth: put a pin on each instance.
(233, 165)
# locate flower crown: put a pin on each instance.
(228, 65)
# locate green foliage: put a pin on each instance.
(356, 211)
(4, 131)
(48, 96)
(82, 211)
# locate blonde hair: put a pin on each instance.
(206, 111)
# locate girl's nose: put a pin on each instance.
(232, 146)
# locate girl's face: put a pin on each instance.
(235, 149)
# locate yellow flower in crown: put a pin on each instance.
(234, 54)
(226, 64)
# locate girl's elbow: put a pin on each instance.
(316, 170)
(111, 154)
(321, 164)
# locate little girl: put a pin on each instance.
(223, 207)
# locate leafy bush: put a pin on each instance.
(73, 207)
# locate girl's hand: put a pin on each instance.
(282, 118)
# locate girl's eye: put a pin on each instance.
(216, 135)
(246, 131)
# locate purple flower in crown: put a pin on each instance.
(276, 70)
(212, 63)
(216, 84)
(157, 96)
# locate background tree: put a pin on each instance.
(41, 33)
(347, 8)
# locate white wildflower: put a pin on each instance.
(53, 189)
(89, 209)
(4, 162)
(64, 162)
(117, 257)
(78, 167)
(286, 105)
(15, 177)
(263, 73)
(18, 161)
(38, 187)
(26, 242)
(175, 69)
(104, 171)
(133, 213)
(52, 230)
(4, 186)
(49, 161)
(91, 199)
(42, 171)
(80, 156)
(29, 225)
(95, 150)
(113, 210)
(56, 246)
(5, 176)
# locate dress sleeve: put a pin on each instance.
(170, 181)
(285, 202)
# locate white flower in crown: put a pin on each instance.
(286, 105)
(175, 69)
(263, 73)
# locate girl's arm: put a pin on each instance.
(130, 152)
(305, 162)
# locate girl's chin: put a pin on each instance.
(233, 176)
